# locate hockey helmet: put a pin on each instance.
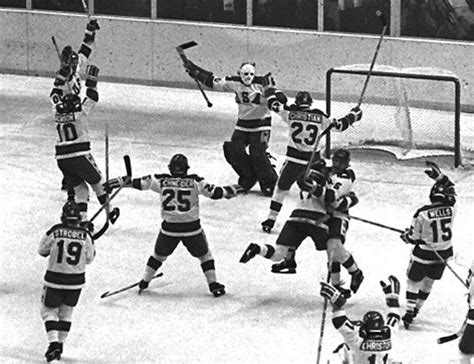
(372, 323)
(440, 192)
(70, 103)
(303, 98)
(69, 57)
(247, 73)
(341, 159)
(178, 165)
(71, 213)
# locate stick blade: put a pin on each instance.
(187, 45)
(105, 294)
(448, 338)
(128, 165)
(381, 17)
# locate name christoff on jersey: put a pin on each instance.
(376, 345)
(442, 212)
(305, 116)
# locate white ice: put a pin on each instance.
(264, 318)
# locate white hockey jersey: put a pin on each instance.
(69, 250)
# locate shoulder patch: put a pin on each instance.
(348, 174)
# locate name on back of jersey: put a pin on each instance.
(305, 116)
(376, 345)
(441, 212)
(177, 182)
(70, 233)
(64, 118)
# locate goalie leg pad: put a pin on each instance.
(265, 172)
(236, 155)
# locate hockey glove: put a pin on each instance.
(118, 182)
(405, 236)
(233, 190)
(392, 291)
(305, 184)
(88, 225)
(433, 172)
(332, 294)
(357, 112)
(268, 80)
(91, 76)
(93, 25)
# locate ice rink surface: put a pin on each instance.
(265, 317)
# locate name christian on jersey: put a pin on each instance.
(305, 116)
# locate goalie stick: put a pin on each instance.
(128, 168)
(111, 293)
(180, 49)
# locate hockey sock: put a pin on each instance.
(277, 203)
(336, 273)
(267, 251)
(151, 267)
(350, 264)
(209, 270)
(422, 297)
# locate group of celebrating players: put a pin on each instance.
(321, 212)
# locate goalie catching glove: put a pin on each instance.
(118, 182)
(332, 294)
(392, 291)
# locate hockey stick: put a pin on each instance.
(180, 49)
(84, 6)
(128, 167)
(323, 319)
(448, 338)
(111, 293)
(372, 64)
(401, 232)
(106, 137)
(60, 61)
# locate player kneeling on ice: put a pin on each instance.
(246, 151)
(369, 341)
(69, 247)
(179, 196)
(431, 233)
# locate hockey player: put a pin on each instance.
(73, 151)
(69, 247)
(310, 219)
(466, 343)
(253, 123)
(179, 193)
(431, 233)
(304, 126)
(340, 197)
(371, 342)
(67, 79)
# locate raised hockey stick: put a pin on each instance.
(448, 338)
(128, 168)
(372, 64)
(180, 49)
(111, 293)
(60, 60)
(84, 6)
(106, 151)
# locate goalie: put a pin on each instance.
(246, 151)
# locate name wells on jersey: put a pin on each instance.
(441, 212)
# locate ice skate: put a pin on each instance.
(217, 289)
(268, 225)
(249, 253)
(356, 280)
(286, 266)
(53, 352)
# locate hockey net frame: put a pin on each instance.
(450, 147)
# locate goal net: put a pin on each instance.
(410, 112)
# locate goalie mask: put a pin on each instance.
(442, 193)
(178, 165)
(71, 213)
(70, 103)
(247, 73)
(303, 99)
